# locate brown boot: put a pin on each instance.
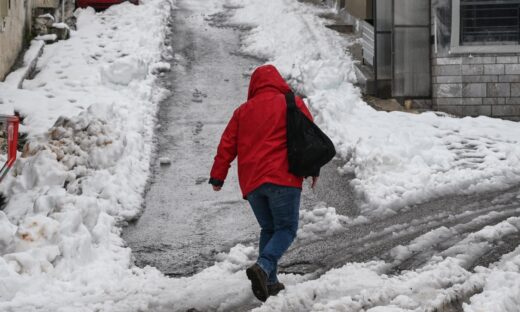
(274, 289)
(258, 279)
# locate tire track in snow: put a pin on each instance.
(376, 239)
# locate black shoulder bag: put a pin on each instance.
(308, 148)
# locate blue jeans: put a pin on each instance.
(277, 210)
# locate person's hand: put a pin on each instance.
(216, 184)
(314, 182)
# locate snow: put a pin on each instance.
(7, 232)
(49, 37)
(123, 71)
(365, 286)
(48, 15)
(322, 221)
(60, 25)
(90, 114)
(29, 60)
(398, 159)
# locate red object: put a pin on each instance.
(257, 135)
(101, 4)
(10, 127)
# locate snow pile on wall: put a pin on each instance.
(398, 158)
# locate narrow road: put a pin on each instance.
(185, 224)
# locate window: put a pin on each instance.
(489, 22)
(485, 26)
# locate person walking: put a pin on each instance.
(256, 134)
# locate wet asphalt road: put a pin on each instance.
(185, 224)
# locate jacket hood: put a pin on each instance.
(266, 76)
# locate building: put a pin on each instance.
(457, 56)
(15, 19)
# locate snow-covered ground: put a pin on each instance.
(398, 159)
(84, 172)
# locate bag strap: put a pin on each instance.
(290, 100)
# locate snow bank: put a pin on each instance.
(83, 173)
(501, 289)
(398, 158)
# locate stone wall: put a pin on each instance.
(478, 85)
(471, 84)
(12, 36)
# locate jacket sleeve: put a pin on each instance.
(227, 150)
(301, 105)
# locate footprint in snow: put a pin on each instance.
(200, 180)
(198, 96)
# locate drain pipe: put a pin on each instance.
(63, 11)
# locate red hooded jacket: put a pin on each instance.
(257, 135)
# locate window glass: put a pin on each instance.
(489, 22)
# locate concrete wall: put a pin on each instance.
(361, 9)
(471, 84)
(13, 34)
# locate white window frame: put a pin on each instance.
(456, 48)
